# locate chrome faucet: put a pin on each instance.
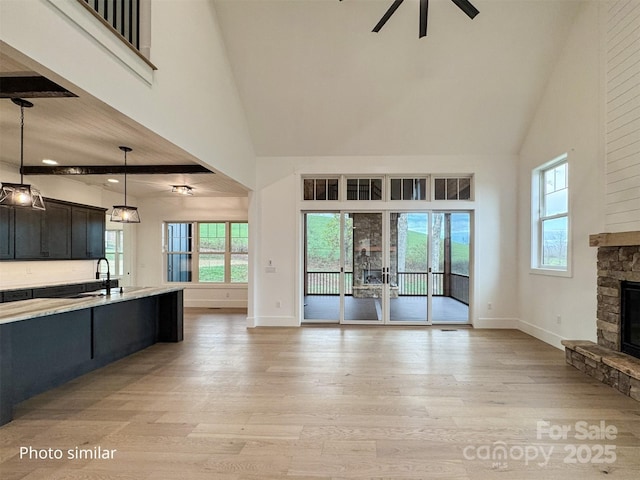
(107, 282)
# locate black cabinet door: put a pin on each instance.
(28, 233)
(95, 233)
(79, 221)
(57, 231)
(6, 233)
(87, 233)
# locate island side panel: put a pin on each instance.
(6, 385)
(49, 351)
(123, 328)
(170, 315)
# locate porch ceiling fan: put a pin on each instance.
(464, 5)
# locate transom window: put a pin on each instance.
(452, 188)
(388, 188)
(409, 188)
(207, 252)
(364, 189)
(320, 188)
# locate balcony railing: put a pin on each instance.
(328, 283)
(123, 15)
(409, 284)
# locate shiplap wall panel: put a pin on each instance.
(622, 210)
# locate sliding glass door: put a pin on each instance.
(450, 260)
(387, 267)
(408, 267)
(364, 261)
(322, 276)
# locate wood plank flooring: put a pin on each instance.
(327, 402)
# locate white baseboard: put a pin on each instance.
(220, 303)
(546, 336)
(508, 323)
(273, 321)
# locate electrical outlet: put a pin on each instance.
(558, 319)
(278, 304)
(489, 306)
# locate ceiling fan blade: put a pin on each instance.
(387, 16)
(467, 7)
(424, 14)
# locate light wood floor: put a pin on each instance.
(324, 403)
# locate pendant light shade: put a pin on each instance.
(21, 195)
(125, 213)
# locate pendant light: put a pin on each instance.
(125, 213)
(21, 194)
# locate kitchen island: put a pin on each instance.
(45, 342)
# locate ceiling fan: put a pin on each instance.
(464, 5)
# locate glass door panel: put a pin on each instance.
(451, 233)
(364, 261)
(408, 267)
(321, 276)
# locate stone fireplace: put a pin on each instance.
(618, 266)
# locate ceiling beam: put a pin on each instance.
(31, 87)
(114, 170)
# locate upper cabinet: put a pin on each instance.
(6, 233)
(29, 233)
(57, 231)
(62, 231)
(87, 233)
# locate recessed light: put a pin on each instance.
(182, 189)
(48, 161)
(112, 180)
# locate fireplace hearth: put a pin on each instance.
(615, 359)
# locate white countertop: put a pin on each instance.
(41, 307)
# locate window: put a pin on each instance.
(550, 216)
(114, 251)
(221, 256)
(452, 188)
(320, 188)
(409, 188)
(364, 189)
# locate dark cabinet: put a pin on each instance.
(62, 231)
(6, 233)
(56, 233)
(43, 234)
(87, 233)
(28, 231)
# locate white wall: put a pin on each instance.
(35, 273)
(569, 119)
(155, 211)
(276, 214)
(192, 101)
(623, 117)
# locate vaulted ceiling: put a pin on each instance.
(315, 80)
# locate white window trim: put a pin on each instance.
(195, 253)
(536, 225)
(118, 254)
